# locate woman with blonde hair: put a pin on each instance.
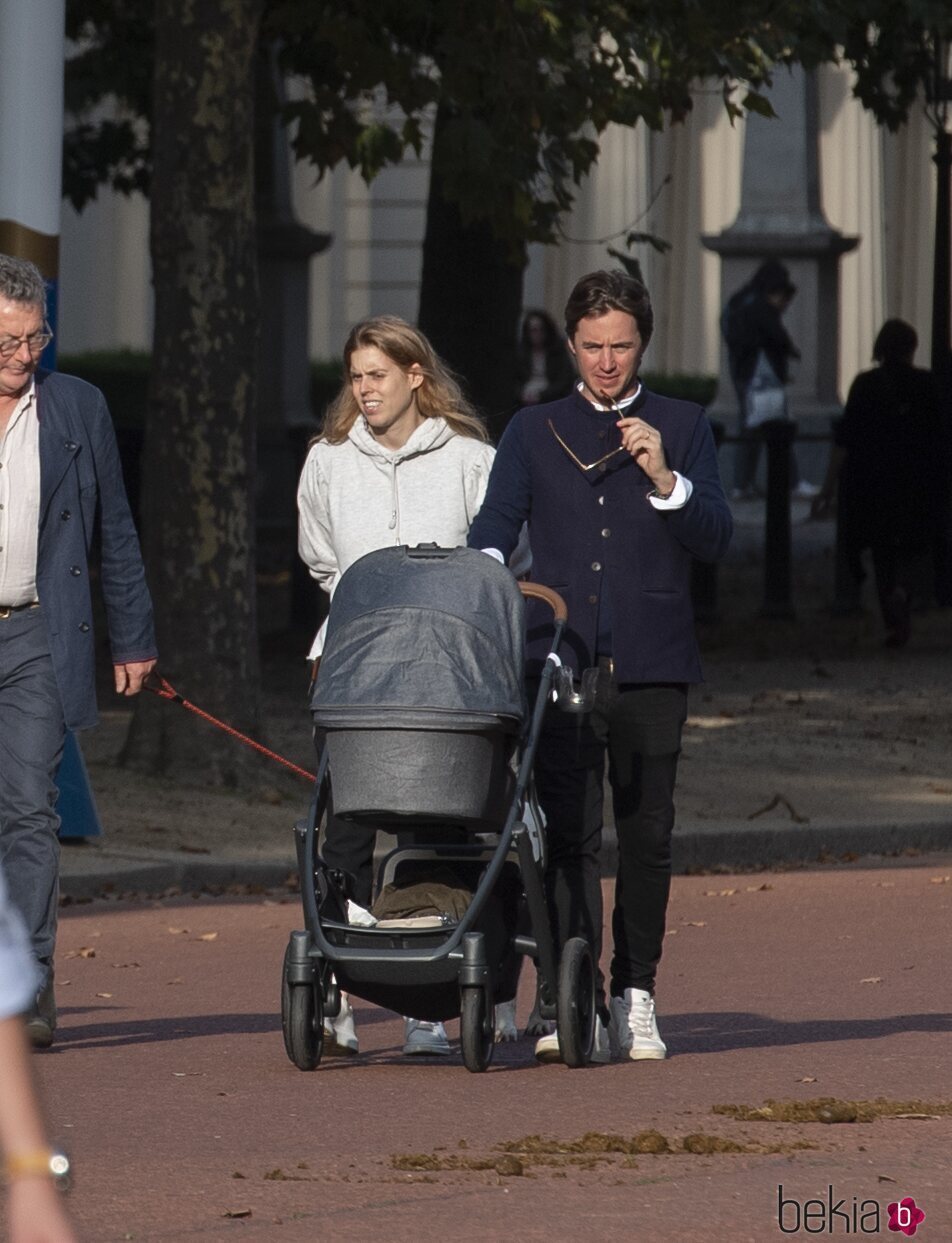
(402, 459)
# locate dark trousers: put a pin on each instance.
(31, 746)
(638, 728)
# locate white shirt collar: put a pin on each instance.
(622, 405)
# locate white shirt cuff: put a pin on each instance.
(494, 552)
(680, 495)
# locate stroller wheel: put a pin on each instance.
(476, 1029)
(302, 1020)
(576, 1003)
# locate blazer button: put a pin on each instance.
(66, 515)
(84, 627)
(593, 599)
(70, 445)
(596, 566)
(75, 571)
(601, 500)
(606, 531)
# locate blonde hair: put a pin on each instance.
(438, 395)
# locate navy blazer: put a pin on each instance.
(81, 485)
(597, 539)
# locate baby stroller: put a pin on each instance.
(421, 699)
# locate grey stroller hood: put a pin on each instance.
(423, 639)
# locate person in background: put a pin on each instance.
(35, 1212)
(620, 489)
(545, 365)
(888, 473)
(757, 342)
(60, 486)
(402, 459)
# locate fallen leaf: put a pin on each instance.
(237, 1212)
(238, 1174)
(884, 1178)
(759, 888)
(208, 936)
(694, 923)
(85, 951)
(124, 964)
(918, 1117)
(178, 980)
(104, 994)
(177, 931)
(939, 880)
(807, 1079)
(872, 979)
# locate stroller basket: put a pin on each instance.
(385, 777)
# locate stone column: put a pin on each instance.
(781, 217)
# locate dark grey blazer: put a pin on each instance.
(81, 485)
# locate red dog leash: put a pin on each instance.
(164, 689)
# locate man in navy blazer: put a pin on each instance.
(621, 490)
(60, 482)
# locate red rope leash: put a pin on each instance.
(159, 686)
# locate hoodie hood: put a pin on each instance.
(431, 434)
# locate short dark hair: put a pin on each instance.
(895, 342)
(601, 292)
(21, 281)
(773, 277)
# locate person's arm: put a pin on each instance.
(35, 1212)
(122, 573)
(315, 542)
(703, 525)
(508, 496)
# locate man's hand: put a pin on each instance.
(643, 442)
(129, 677)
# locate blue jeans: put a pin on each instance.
(31, 746)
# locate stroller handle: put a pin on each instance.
(552, 598)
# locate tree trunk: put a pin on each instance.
(471, 299)
(199, 466)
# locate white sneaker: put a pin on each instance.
(547, 1047)
(635, 1028)
(423, 1039)
(340, 1034)
(506, 1022)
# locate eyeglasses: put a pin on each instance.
(35, 342)
(602, 460)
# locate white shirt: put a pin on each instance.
(20, 501)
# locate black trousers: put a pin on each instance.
(637, 727)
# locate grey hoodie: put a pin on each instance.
(358, 496)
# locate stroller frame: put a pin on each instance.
(376, 962)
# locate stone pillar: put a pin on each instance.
(781, 217)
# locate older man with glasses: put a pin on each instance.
(620, 488)
(60, 478)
